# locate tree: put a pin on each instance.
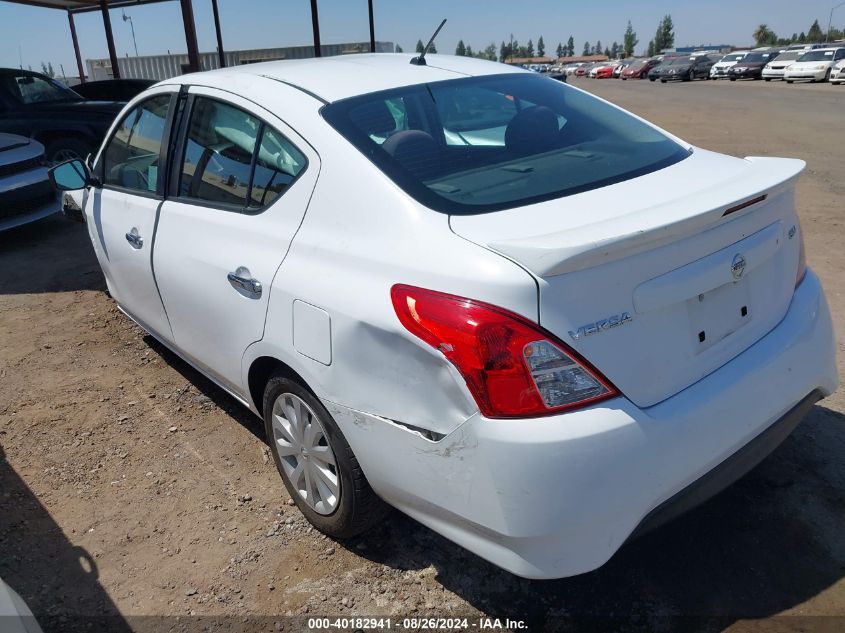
(803, 37)
(504, 52)
(614, 51)
(815, 33)
(399, 49)
(570, 46)
(47, 69)
(461, 50)
(560, 50)
(630, 40)
(587, 50)
(764, 35)
(490, 52)
(420, 46)
(529, 49)
(598, 49)
(650, 51)
(541, 47)
(668, 30)
(432, 49)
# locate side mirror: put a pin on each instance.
(72, 175)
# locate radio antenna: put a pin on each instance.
(420, 61)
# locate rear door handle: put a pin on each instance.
(135, 240)
(241, 279)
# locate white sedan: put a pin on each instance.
(814, 65)
(539, 343)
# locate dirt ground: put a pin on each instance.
(131, 488)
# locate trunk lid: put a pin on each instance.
(662, 279)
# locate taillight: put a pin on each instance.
(512, 367)
(802, 258)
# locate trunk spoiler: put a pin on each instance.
(594, 244)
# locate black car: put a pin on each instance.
(686, 68)
(751, 66)
(113, 89)
(69, 126)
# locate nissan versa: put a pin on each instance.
(523, 316)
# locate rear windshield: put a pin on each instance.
(480, 144)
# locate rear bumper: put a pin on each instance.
(558, 496)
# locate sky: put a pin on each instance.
(30, 35)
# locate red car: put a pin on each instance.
(604, 72)
(582, 70)
(639, 69)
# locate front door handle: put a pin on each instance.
(135, 240)
(242, 279)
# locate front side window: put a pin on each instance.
(131, 158)
(482, 144)
(234, 159)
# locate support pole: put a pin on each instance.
(220, 54)
(76, 47)
(190, 36)
(372, 28)
(315, 24)
(104, 8)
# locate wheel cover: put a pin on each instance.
(307, 459)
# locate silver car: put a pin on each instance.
(26, 194)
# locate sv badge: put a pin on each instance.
(602, 325)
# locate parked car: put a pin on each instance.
(400, 311)
(26, 194)
(112, 89)
(621, 66)
(776, 67)
(686, 68)
(720, 68)
(751, 66)
(814, 65)
(837, 74)
(603, 71)
(639, 69)
(32, 104)
(654, 73)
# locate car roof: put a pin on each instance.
(334, 78)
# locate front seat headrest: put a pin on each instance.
(532, 131)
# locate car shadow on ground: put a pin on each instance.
(207, 388)
(57, 579)
(51, 255)
(766, 544)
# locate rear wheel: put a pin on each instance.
(318, 468)
(789, 81)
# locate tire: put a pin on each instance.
(663, 81)
(789, 81)
(356, 507)
(733, 78)
(826, 76)
(767, 78)
(650, 79)
(65, 148)
(691, 75)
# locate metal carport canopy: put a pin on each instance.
(84, 6)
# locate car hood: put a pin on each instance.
(820, 62)
(677, 68)
(749, 65)
(85, 107)
(15, 149)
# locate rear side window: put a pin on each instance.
(481, 144)
(235, 160)
(131, 158)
